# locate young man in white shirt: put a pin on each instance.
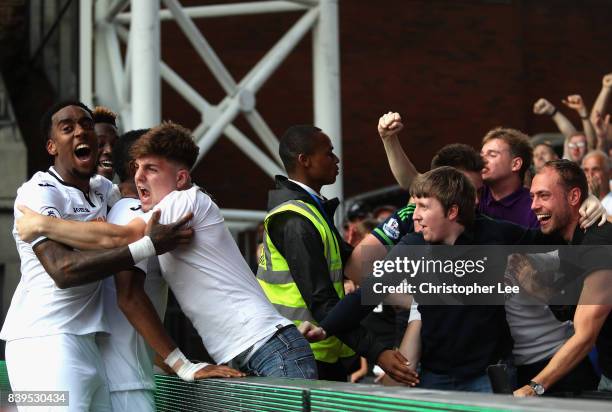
(57, 309)
(136, 298)
(210, 273)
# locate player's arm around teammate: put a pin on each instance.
(68, 267)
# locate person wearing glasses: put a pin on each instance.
(577, 147)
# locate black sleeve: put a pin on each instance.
(300, 243)
(346, 315)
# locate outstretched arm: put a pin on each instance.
(68, 267)
(389, 126)
(575, 102)
(591, 313)
(139, 310)
(601, 125)
(602, 99)
(544, 107)
(83, 235)
(77, 234)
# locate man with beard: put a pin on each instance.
(557, 191)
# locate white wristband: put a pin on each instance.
(182, 366)
(142, 249)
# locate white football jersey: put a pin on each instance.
(211, 281)
(39, 307)
(127, 357)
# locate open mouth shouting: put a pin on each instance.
(144, 194)
(84, 155)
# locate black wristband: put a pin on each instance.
(554, 112)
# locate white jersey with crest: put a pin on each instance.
(39, 307)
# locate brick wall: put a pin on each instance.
(453, 69)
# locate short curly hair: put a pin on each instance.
(103, 114)
(170, 141)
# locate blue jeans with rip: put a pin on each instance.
(285, 355)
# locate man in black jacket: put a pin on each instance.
(300, 236)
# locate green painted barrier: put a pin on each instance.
(254, 394)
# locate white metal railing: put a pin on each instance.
(130, 82)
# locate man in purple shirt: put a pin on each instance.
(507, 154)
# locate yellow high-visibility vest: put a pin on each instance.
(275, 278)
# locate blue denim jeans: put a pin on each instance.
(286, 355)
(431, 380)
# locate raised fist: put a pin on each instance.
(389, 124)
(575, 102)
(543, 106)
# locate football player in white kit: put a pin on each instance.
(137, 295)
(210, 279)
(56, 310)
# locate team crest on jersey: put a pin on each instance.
(391, 228)
(100, 195)
(49, 211)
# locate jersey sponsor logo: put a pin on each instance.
(45, 185)
(81, 210)
(391, 228)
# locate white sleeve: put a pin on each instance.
(174, 206)
(44, 199)
(113, 195)
(414, 312)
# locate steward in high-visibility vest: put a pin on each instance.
(300, 270)
(275, 278)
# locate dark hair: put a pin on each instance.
(459, 156)
(571, 175)
(170, 141)
(450, 187)
(103, 114)
(517, 141)
(121, 153)
(295, 141)
(547, 144)
(46, 119)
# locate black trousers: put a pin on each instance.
(581, 378)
